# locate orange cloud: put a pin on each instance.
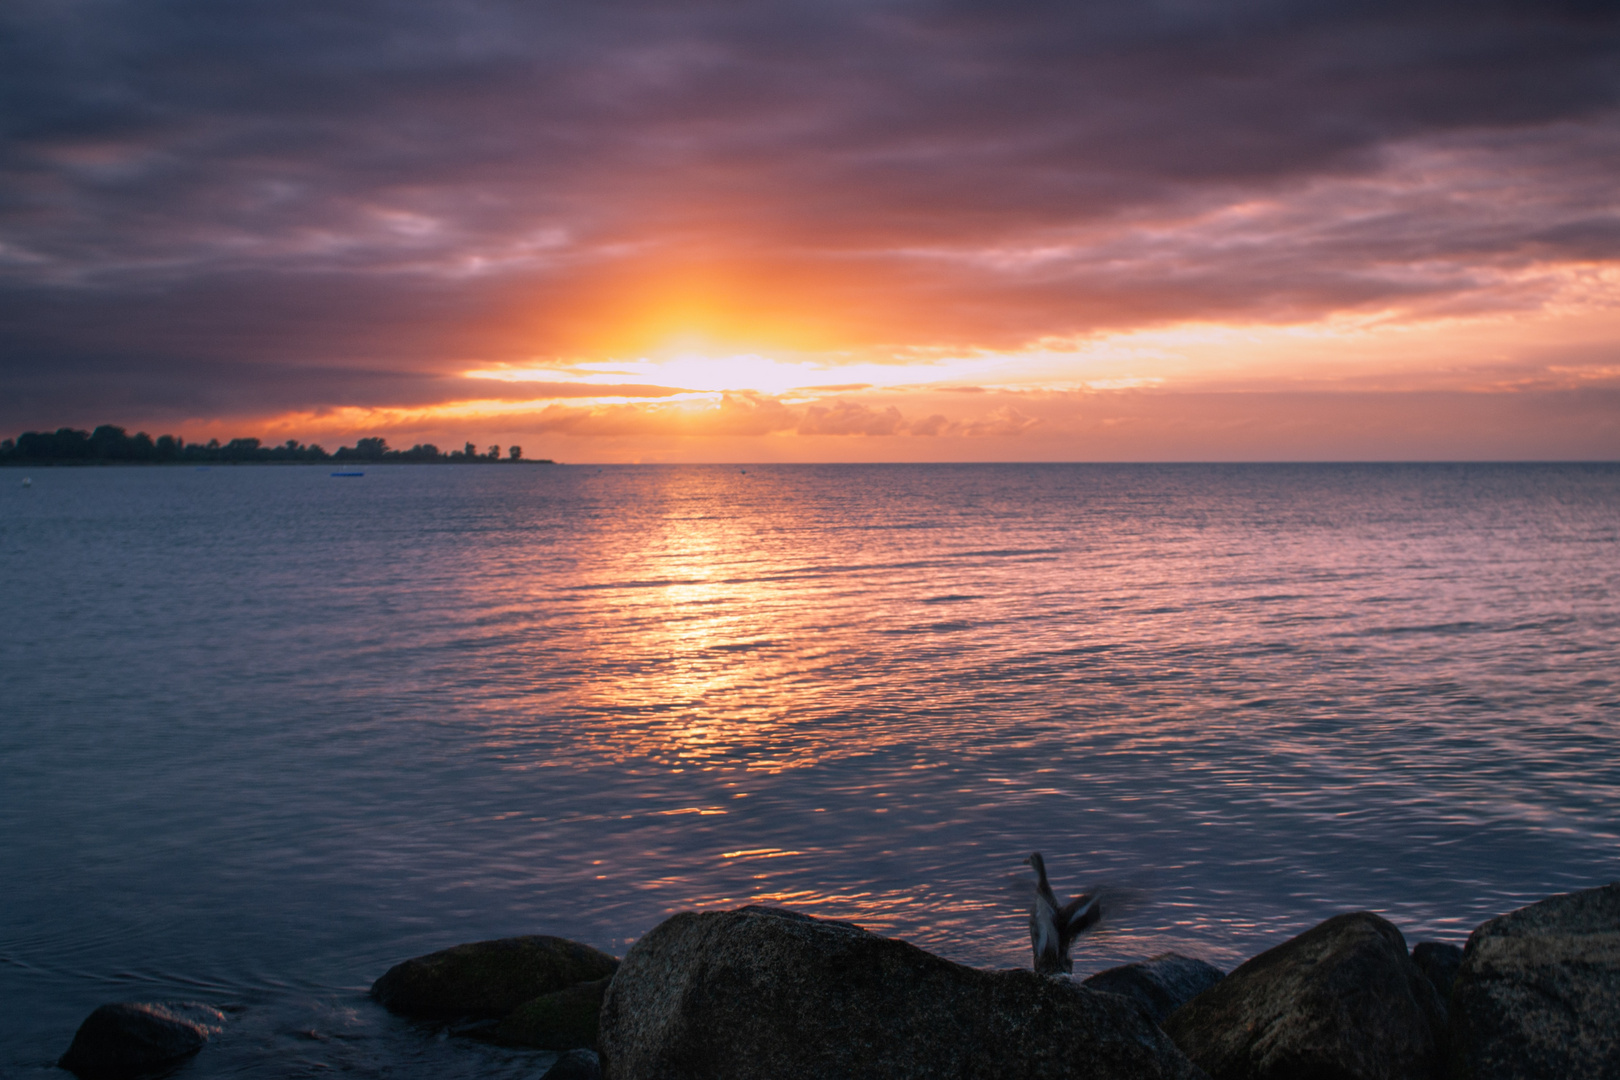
(829, 232)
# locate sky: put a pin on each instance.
(819, 231)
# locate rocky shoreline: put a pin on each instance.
(768, 994)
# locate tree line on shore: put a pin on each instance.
(111, 444)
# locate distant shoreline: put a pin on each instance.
(100, 463)
(110, 444)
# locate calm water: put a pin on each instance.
(266, 732)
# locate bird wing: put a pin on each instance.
(1079, 914)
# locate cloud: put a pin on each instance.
(750, 415)
(1003, 421)
(732, 415)
(759, 415)
(850, 418)
(212, 207)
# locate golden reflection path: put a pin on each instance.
(927, 664)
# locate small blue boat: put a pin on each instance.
(348, 474)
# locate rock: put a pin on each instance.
(562, 1020)
(765, 994)
(1538, 992)
(1340, 1001)
(576, 1065)
(1439, 962)
(488, 978)
(1161, 984)
(133, 1038)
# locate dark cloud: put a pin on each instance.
(218, 206)
(86, 388)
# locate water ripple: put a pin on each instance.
(266, 736)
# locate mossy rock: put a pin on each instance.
(1538, 992)
(488, 978)
(766, 994)
(139, 1038)
(1160, 985)
(1341, 1001)
(564, 1020)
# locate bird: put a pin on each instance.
(1053, 928)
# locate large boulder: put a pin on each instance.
(764, 994)
(488, 978)
(561, 1020)
(133, 1038)
(1342, 1001)
(1160, 984)
(1538, 992)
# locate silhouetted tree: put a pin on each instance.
(111, 443)
(64, 444)
(373, 449)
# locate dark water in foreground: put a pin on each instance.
(266, 732)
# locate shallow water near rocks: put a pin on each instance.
(268, 731)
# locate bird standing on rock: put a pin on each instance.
(1053, 928)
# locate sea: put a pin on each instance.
(266, 731)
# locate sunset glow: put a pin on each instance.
(654, 244)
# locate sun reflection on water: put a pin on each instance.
(266, 734)
(869, 696)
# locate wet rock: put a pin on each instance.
(1340, 1001)
(131, 1038)
(764, 994)
(1160, 984)
(1538, 992)
(1439, 962)
(488, 978)
(562, 1020)
(576, 1065)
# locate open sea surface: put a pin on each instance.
(265, 732)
